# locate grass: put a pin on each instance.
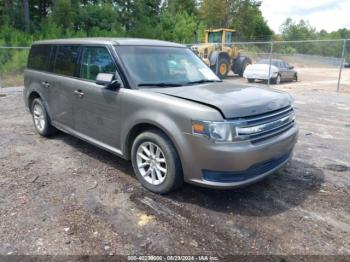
(11, 80)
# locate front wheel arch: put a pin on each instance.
(33, 95)
(173, 167)
(139, 128)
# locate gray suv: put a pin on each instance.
(157, 104)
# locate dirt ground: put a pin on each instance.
(63, 196)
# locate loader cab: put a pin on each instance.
(222, 36)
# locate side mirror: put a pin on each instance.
(107, 80)
(291, 67)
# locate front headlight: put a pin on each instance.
(217, 131)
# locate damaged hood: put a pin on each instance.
(231, 100)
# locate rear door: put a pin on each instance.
(290, 71)
(98, 113)
(39, 67)
(283, 70)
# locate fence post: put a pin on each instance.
(268, 77)
(217, 66)
(341, 64)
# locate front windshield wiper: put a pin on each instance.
(160, 84)
(202, 81)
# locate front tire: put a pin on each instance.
(222, 68)
(242, 69)
(251, 80)
(295, 78)
(41, 119)
(276, 80)
(156, 163)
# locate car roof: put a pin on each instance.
(111, 41)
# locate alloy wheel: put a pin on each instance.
(278, 80)
(39, 117)
(151, 163)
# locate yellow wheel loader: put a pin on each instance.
(220, 53)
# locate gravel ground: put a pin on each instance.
(63, 196)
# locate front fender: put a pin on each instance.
(156, 119)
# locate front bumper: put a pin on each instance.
(230, 165)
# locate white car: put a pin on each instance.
(280, 71)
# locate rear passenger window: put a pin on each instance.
(66, 60)
(95, 60)
(39, 57)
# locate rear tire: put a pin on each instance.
(251, 80)
(41, 119)
(160, 173)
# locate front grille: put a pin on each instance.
(265, 126)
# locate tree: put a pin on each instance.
(297, 31)
(145, 17)
(62, 13)
(26, 15)
(180, 6)
(243, 15)
(214, 13)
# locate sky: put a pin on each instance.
(329, 15)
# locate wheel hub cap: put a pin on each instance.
(39, 118)
(151, 163)
(223, 69)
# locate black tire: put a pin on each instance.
(275, 80)
(222, 63)
(174, 176)
(47, 130)
(295, 78)
(251, 80)
(242, 68)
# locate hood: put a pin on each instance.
(261, 68)
(231, 100)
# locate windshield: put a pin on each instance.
(164, 66)
(214, 37)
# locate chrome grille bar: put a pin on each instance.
(265, 126)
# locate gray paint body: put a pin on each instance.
(105, 117)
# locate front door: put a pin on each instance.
(62, 84)
(98, 112)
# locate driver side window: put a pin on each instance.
(95, 60)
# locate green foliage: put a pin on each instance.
(297, 31)
(302, 30)
(172, 20)
(246, 17)
(180, 6)
(214, 13)
(15, 62)
(63, 14)
(243, 15)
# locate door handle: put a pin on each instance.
(45, 84)
(79, 93)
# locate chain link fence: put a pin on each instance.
(320, 64)
(13, 61)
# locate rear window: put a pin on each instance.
(39, 57)
(66, 62)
